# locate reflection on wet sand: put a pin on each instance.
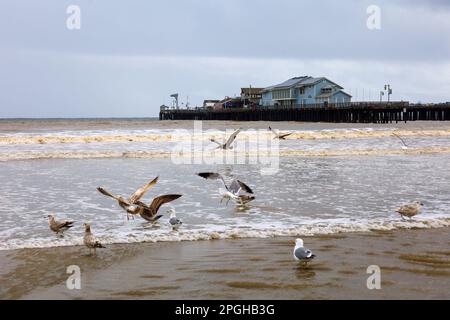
(237, 269)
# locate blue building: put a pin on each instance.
(305, 90)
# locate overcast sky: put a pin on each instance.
(129, 56)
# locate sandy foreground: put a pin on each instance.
(415, 264)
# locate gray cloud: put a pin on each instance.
(128, 57)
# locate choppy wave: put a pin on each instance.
(222, 232)
(40, 155)
(182, 136)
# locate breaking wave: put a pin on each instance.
(184, 135)
(223, 232)
(39, 155)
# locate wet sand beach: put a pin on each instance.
(415, 264)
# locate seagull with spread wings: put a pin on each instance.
(227, 145)
(233, 191)
(405, 146)
(278, 135)
(129, 204)
(150, 212)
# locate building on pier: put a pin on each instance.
(305, 90)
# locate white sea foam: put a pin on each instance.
(217, 232)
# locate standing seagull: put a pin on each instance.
(278, 135)
(127, 204)
(174, 221)
(410, 210)
(301, 253)
(233, 190)
(59, 226)
(90, 240)
(405, 146)
(227, 145)
(149, 212)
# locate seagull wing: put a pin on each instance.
(407, 208)
(64, 224)
(303, 253)
(159, 201)
(142, 190)
(121, 201)
(213, 176)
(244, 187)
(232, 138)
(274, 132)
(284, 135)
(215, 141)
(400, 138)
(108, 194)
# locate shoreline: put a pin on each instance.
(415, 264)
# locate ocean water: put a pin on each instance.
(329, 179)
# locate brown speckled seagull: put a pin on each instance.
(127, 204)
(90, 240)
(410, 210)
(59, 226)
(150, 212)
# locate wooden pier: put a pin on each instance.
(355, 112)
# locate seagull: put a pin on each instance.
(227, 145)
(127, 204)
(233, 190)
(278, 135)
(410, 210)
(59, 226)
(301, 253)
(150, 212)
(174, 221)
(90, 240)
(405, 146)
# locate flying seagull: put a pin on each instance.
(227, 145)
(150, 212)
(127, 204)
(59, 226)
(174, 221)
(233, 190)
(90, 240)
(278, 135)
(410, 210)
(301, 253)
(405, 146)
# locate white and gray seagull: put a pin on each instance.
(233, 191)
(301, 253)
(278, 135)
(129, 205)
(227, 145)
(174, 222)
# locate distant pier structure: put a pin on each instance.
(350, 112)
